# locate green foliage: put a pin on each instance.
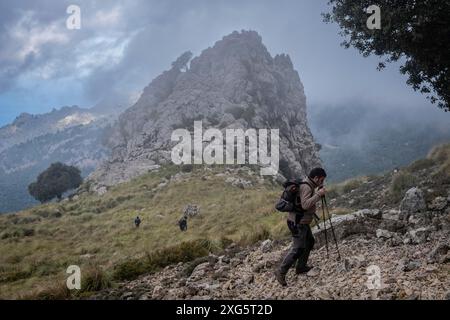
(54, 181)
(415, 31)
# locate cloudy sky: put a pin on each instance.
(123, 45)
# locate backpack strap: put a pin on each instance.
(308, 184)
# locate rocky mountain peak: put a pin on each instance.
(22, 119)
(234, 84)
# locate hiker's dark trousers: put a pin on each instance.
(302, 244)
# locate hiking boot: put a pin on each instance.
(303, 270)
(281, 278)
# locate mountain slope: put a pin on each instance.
(96, 232)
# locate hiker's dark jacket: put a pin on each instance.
(308, 198)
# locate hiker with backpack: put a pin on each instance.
(182, 223)
(137, 222)
(299, 199)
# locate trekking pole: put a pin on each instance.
(332, 228)
(325, 227)
(317, 219)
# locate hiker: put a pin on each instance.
(137, 222)
(302, 238)
(183, 223)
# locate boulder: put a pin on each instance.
(419, 235)
(413, 202)
(439, 204)
(191, 210)
(239, 182)
(266, 246)
(354, 262)
(384, 234)
(364, 221)
(408, 265)
(199, 271)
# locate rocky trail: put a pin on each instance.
(408, 247)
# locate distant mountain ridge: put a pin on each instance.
(362, 139)
(28, 145)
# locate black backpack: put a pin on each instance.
(289, 200)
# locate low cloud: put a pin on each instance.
(123, 45)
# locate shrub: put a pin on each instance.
(17, 233)
(94, 279)
(28, 232)
(55, 181)
(350, 185)
(333, 192)
(15, 275)
(187, 168)
(58, 291)
(154, 261)
(440, 153)
(400, 183)
(421, 164)
(189, 268)
(130, 269)
(256, 234)
(225, 242)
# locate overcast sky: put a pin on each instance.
(123, 45)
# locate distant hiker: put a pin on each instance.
(183, 223)
(302, 237)
(137, 222)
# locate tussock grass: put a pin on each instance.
(154, 261)
(336, 190)
(400, 183)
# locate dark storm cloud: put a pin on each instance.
(125, 44)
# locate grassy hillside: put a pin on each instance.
(37, 245)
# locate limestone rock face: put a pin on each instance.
(234, 84)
